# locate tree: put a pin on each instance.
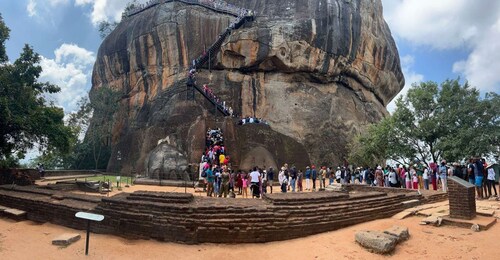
(104, 103)
(76, 156)
(26, 117)
(434, 122)
(105, 27)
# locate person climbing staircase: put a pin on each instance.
(242, 16)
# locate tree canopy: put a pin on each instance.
(433, 122)
(26, 117)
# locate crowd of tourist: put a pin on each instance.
(416, 177)
(210, 93)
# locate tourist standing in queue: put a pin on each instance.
(470, 171)
(393, 178)
(420, 175)
(210, 182)
(478, 174)
(443, 171)
(321, 178)
(338, 175)
(379, 176)
(239, 182)
(255, 181)
(415, 180)
(408, 179)
(282, 179)
(293, 177)
(300, 177)
(308, 178)
(313, 176)
(491, 180)
(425, 177)
(402, 175)
(270, 178)
(224, 182)
(244, 186)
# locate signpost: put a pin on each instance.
(89, 217)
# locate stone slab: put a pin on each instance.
(403, 214)
(2, 208)
(485, 212)
(376, 241)
(401, 233)
(431, 211)
(65, 239)
(15, 214)
(432, 220)
(484, 222)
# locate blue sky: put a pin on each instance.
(436, 39)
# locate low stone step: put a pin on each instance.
(65, 239)
(14, 214)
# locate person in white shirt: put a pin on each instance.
(490, 180)
(425, 176)
(393, 178)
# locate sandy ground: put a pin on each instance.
(29, 240)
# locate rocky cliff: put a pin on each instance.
(318, 71)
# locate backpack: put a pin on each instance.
(204, 174)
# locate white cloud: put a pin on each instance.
(410, 78)
(31, 8)
(482, 67)
(71, 71)
(451, 25)
(34, 6)
(105, 10)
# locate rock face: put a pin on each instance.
(318, 71)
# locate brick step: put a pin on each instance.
(373, 207)
(345, 203)
(356, 199)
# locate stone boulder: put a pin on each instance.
(166, 162)
(401, 233)
(318, 71)
(376, 241)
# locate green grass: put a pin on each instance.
(110, 178)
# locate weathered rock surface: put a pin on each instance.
(401, 233)
(318, 71)
(376, 241)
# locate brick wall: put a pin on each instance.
(188, 219)
(461, 195)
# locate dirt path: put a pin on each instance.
(29, 240)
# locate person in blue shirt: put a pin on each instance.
(313, 176)
(443, 173)
(210, 182)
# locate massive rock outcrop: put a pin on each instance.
(318, 71)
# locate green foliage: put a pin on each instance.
(25, 116)
(105, 28)
(104, 103)
(434, 122)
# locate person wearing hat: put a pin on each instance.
(308, 177)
